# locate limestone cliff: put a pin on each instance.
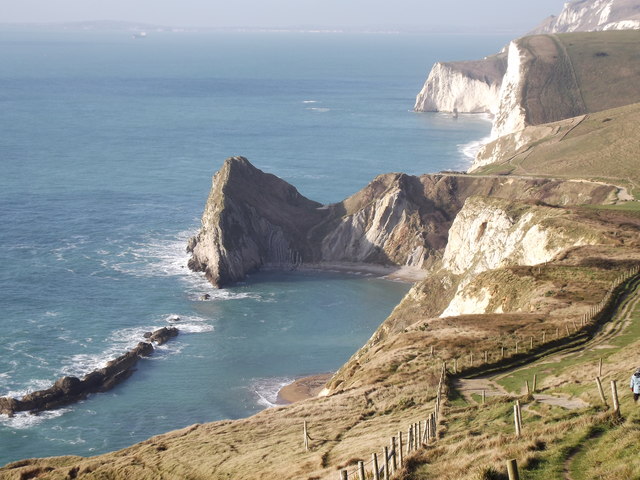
(253, 219)
(593, 15)
(465, 87)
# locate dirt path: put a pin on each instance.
(475, 386)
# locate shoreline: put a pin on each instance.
(394, 273)
(303, 388)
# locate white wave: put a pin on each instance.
(196, 328)
(23, 420)
(319, 109)
(266, 390)
(31, 386)
(471, 149)
(309, 101)
(223, 295)
(127, 338)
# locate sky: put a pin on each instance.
(482, 15)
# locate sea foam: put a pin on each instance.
(266, 390)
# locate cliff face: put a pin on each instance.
(253, 219)
(593, 15)
(556, 77)
(490, 234)
(504, 84)
(465, 87)
(509, 114)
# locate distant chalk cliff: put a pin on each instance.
(501, 84)
(465, 87)
(593, 15)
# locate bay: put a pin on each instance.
(107, 147)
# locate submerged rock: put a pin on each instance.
(162, 335)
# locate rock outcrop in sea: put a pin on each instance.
(70, 389)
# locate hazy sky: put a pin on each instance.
(487, 14)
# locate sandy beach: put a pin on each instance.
(400, 274)
(303, 388)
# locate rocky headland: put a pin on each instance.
(254, 220)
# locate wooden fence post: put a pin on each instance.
(502, 352)
(394, 455)
(344, 475)
(515, 420)
(376, 469)
(484, 397)
(400, 457)
(306, 436)
(361, 474)
(418, 435)
(517, 342)
(434, 427)
(531, 343)
(535, 382)
(512, 470)
(602, 397)
(544, 337)
(432, 350)
(386, 463)
(455, 365)
(486, 357)
(600, 367)
(614, 395)
(526, 384)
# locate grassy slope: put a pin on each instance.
(389, 387)
(588, 443)
(581, 95)
(577, 73)
(603, 146)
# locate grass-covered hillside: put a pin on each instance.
(577, 73)
(602, 146)
(392, 384)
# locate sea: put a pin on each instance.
(107, 149)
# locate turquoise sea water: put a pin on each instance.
(107, 147)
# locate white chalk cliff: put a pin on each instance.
(465, 87)
(510, 115)
(491, 233)
(495, 84)
(593, 15)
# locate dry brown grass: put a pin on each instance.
(391, 384)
